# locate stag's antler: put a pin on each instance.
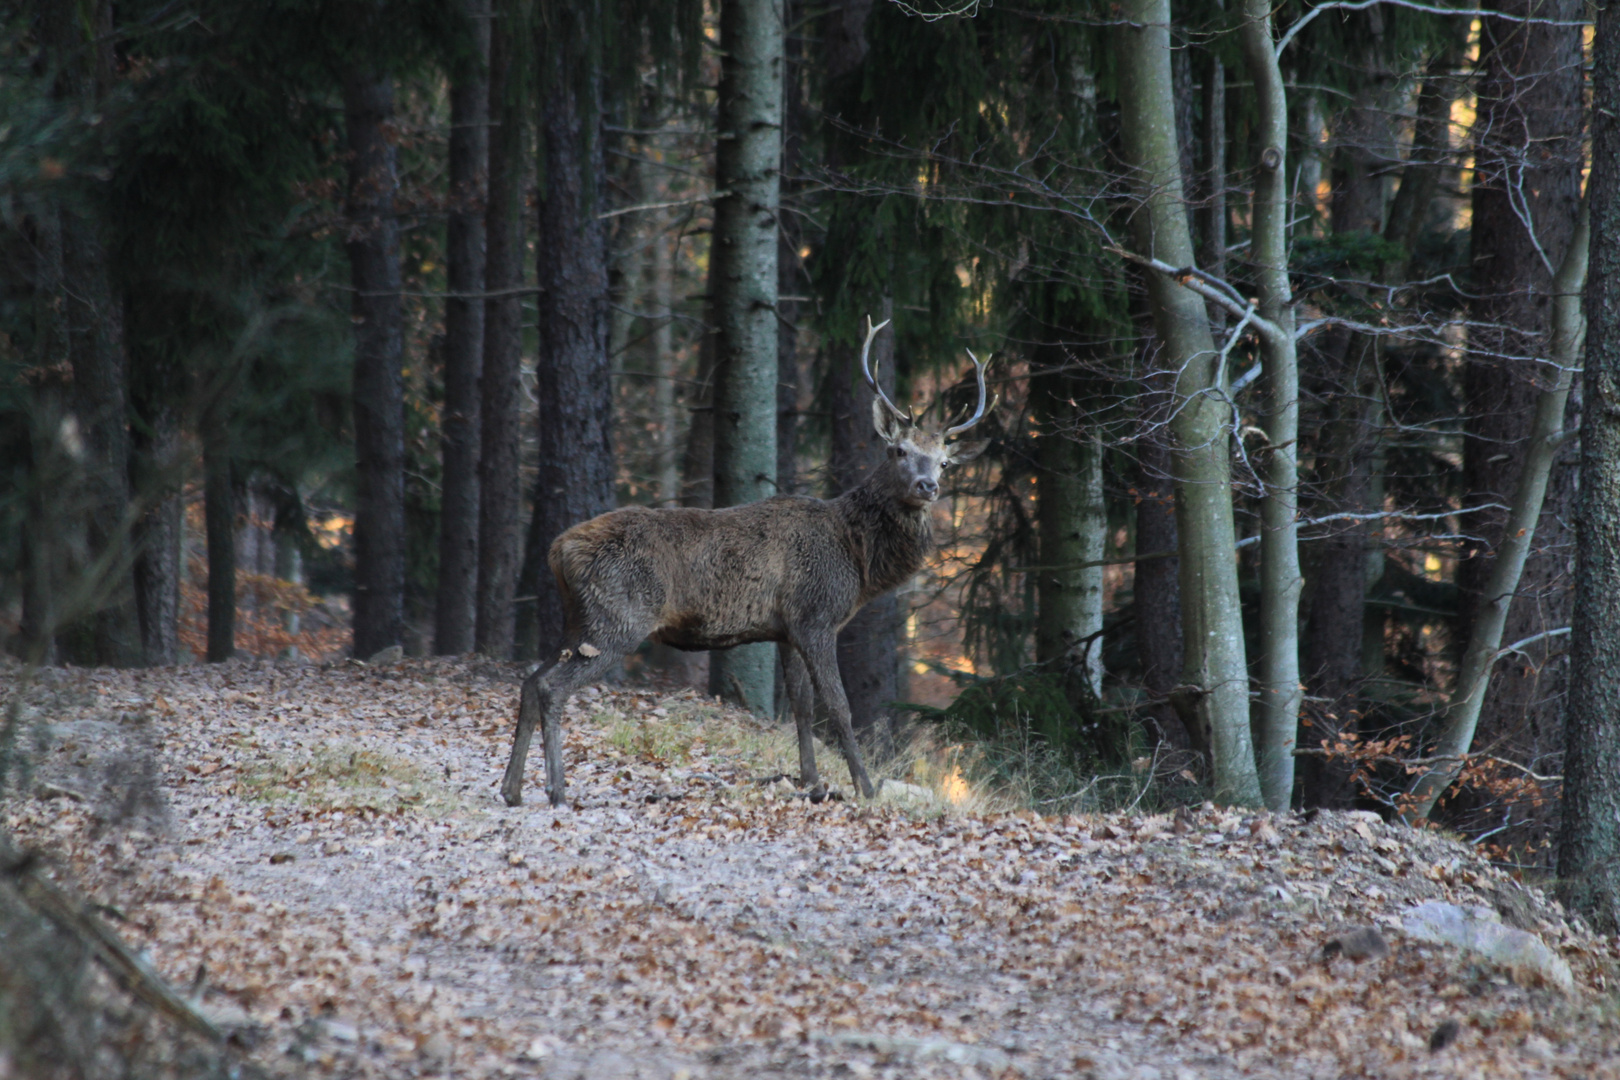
(978, 368)
(871, 380)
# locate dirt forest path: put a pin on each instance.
(327, 850)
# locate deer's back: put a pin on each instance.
(702, 579)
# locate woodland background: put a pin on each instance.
(320, 320)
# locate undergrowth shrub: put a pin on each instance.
(1029, 742)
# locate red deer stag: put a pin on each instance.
(788, 569)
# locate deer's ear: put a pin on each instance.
(967, 451)
(888, 426)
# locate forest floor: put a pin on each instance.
(322, 855)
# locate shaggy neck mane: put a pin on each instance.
(890, 540)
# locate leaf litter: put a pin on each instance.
(322, 853)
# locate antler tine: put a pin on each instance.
(978, 368)
(866, 369)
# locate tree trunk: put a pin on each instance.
(575, 481)
(1524, 205)
(1156, 587)
(219, 518)
(50, 462)
(456, 602)
(1073, 528)
(869, 644)
(98, 623)
(501, 390)
(379, 388)
(157, 474)
(1212, 618)
(1519, 532)
(1589, 835)
(1280, 581)
(748, 162)
(666, 368)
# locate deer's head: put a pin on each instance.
(917, 454)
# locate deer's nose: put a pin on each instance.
(925, 488)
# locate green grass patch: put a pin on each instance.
(346, 777)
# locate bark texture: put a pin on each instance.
(219, 521)
(379, 389)
(748, 165)
(869, 644)
(95, 618)
(1214, 661)
(500, 390)
(157, 471)
(1280, 581)
(1589, 835)
(1073, 527)
(456, 602)
(575, 481)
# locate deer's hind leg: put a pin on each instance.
(544, 695)
(802, 700)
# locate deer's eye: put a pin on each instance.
(899, 452)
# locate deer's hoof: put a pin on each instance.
(513, 797)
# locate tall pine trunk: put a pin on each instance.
(1212, 619)
(219, 520)
(868, 645)
(97, 623)
(456, 602)
(1156, 585)
(501, 389)
(1589, 835)
(666, 367)
(575, 480)
(379, 388)
(156, 473)
(748, 163)
(50, 461)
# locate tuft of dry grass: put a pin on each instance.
(348, 777)
(925, 776)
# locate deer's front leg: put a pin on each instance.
(821, 657)
(803, 703)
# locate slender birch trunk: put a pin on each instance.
(1518, 534)
(1212, 617)
(1280, 580)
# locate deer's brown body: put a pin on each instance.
(790, 569)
